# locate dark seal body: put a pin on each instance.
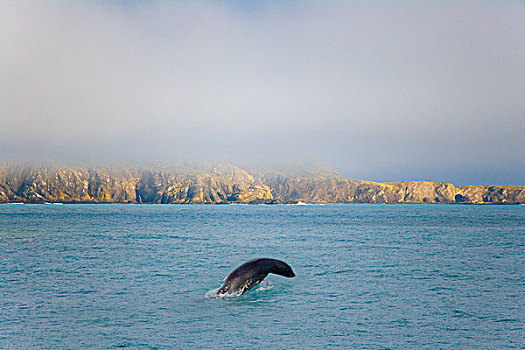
(251, 273)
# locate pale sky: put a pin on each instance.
(378, 90)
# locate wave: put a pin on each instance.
(303, 203)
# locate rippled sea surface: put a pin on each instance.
(368, 276)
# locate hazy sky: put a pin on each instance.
(379, 90)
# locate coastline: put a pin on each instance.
(231, 185)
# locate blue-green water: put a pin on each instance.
(368, 276)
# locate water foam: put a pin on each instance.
(265, 285)
(213, 294)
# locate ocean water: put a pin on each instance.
(368, 277)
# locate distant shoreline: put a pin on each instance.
(252, 204)
(230, 185)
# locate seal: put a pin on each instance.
(251, 273)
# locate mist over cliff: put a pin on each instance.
(384, 90)
(226, 183)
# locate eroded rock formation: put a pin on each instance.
(229, 184)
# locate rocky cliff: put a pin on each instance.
(229, 184)
(330, 187)
(78, 185)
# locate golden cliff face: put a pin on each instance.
(230, 184)
(66, 185)
(77, 185)
(330, 187)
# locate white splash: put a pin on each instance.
(265, 285)
(212, 294)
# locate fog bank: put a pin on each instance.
(384, 90)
